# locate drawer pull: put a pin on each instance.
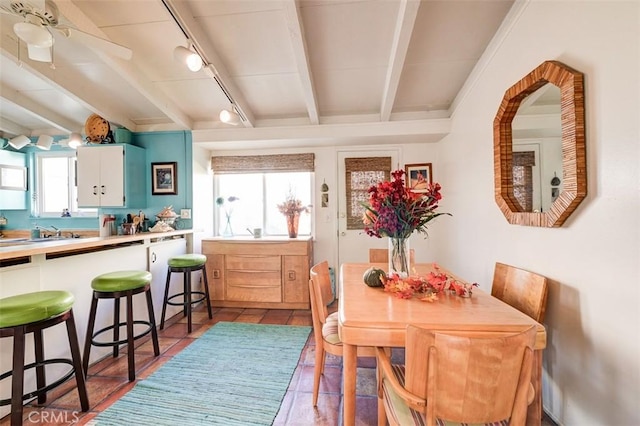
(292, 275)
(216, 273)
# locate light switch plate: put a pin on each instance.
(185, 213)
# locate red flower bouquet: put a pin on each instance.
(396, 211)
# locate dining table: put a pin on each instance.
(371, 316)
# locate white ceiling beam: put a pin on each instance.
(216, 68)
(299, 45)
(404, 28)
(38, 111)
(125, 69)
(435, 127)
(12, 128)
(71, 84)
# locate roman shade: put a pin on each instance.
(263, 163)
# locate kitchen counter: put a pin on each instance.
(14, 249)
(71, 264)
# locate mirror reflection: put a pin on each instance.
(537, 150)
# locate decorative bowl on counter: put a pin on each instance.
(167, 215)
(167, 220)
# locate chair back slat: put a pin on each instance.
(468, 379)
(320, 280)
(524, 290)
(382, 256)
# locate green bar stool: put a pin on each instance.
(32, 313)
(114, 285)
(186, 263)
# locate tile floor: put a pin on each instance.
(107, 380)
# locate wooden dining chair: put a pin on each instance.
(457, 379)
(325, 325)
(524, 290)
(382, 256)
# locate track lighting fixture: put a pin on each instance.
(230, 116)
(75, 140)
(19, 142)
(189, 57)
(44, 142)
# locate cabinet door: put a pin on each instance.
(295, 279)
(215, 273)
(158, 255)
(88, 175)
(100, 176)
(111, 176)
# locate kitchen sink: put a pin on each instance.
(25, 241)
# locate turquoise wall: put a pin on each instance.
(159, 147)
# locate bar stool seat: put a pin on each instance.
(32, 313)
(186, 263)
(114, 285)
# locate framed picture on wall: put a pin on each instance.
(418, 176)
(13, 177)
(164, 178)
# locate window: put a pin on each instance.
(56, 185)
(258, 196)
(260, 183)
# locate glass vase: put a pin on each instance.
(399, 256)
(292, 224)
(228, 232)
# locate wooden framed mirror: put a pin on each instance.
(571, 188)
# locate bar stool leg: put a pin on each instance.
(40, 372)
(77, 365)
(152, 321)
(116, 326)
(166, 298)
(186, 285)
(131, 355)
(187, 299)
(89, 338)
(206, 291)
(17, 382)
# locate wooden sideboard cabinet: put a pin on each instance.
(268, 273)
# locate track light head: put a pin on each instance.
(75, 140)
(19, 142)
(44, 142)
(230, 116)
(189, 57)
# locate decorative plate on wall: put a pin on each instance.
(96, 128)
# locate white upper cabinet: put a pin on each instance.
(111, 176)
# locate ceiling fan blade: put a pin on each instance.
(41, 54)
(98, 43)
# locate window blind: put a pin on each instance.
(360, 175)
(263, 163)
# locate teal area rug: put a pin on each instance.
(235, 374)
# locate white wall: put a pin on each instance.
(202, 196)
(591, 362)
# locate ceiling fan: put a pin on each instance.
(39, 17)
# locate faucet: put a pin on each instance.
(52, 228)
